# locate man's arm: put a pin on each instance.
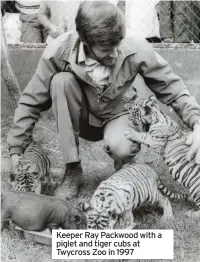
(35, 98)
(170, 89)
(167, 86)
(44, 15)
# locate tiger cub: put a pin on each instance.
(166, 137)
(31, 172)
(112, 203)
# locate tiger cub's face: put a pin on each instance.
(107, 220)
(97, 220)
(26, 178)
(141, 112)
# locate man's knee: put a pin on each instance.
(63, 81)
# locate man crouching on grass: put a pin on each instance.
(84, 77)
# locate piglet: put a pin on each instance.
(39, 212)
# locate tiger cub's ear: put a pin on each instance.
(147, 107)
(153, 99)
(151, 102)
(84, 206)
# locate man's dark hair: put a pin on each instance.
(100, 22)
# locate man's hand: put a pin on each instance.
(14, 159)
(54, 31)
(193, 140)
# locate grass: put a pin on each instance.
(97, 166)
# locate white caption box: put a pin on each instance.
(112, 244)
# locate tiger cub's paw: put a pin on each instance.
(130, 134)
(167, 220)
(193, 214)
(189, 199)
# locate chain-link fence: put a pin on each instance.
(157, 21)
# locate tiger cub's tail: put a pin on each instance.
(172, 195)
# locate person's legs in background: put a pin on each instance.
(31, 29)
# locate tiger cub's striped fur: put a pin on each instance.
(165, 136)
(31, 172)
(130, 187)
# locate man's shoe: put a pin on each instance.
(72, 181)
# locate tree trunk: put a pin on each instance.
(7, 72)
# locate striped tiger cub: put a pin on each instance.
(113, 201)
(166, 137)
(31, 172)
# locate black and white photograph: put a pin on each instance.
(100, 131)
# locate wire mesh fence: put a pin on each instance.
(180, 21)
(157, 21)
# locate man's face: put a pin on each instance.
(104, 55)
